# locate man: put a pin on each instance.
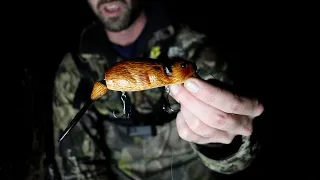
(210, 132)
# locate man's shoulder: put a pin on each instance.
(184, 30)
(89, 35)
(184, 40)
(185, 36)
(180, 35)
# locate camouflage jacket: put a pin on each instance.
(99, 147)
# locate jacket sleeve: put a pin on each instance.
(222, 158)
(66, 82)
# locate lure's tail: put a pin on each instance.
(99, 89)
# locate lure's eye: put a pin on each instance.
(183, 65)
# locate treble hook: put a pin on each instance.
(125, 104)
(166, 101)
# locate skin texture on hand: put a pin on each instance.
(210, 114)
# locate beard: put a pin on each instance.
(130, 12)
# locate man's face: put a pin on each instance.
(116, 15)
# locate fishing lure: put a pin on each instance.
(138, 75)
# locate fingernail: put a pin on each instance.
(174, 89)
(191, 86)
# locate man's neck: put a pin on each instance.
(128, 36)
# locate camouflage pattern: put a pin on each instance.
(96, 144)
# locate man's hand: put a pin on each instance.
(210, 114)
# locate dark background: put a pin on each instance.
(243, 33)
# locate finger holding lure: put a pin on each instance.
(137, 75)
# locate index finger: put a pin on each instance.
(222, 99)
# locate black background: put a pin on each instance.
(243, 32)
